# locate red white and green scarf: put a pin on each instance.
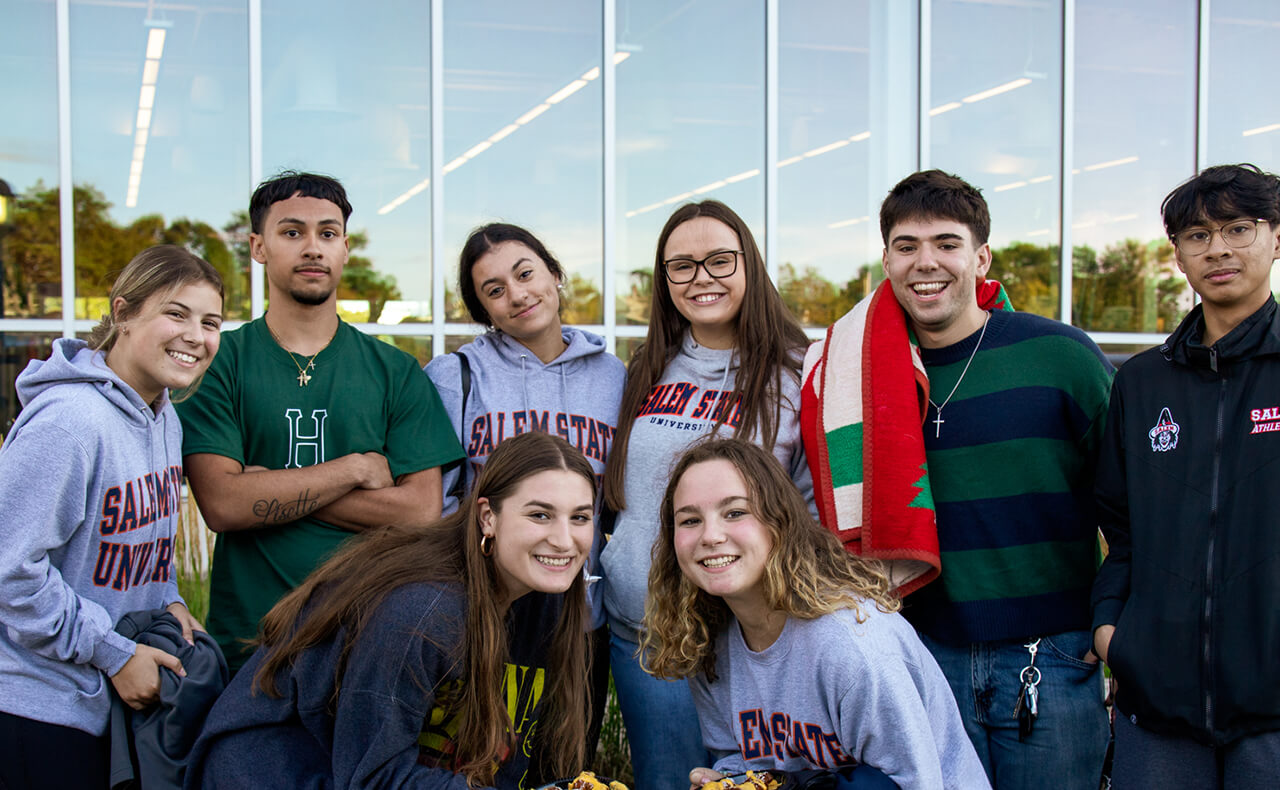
(863, 403)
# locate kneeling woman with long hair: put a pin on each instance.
(392, 665)
(796, 656)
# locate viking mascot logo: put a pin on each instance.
(1164, 437)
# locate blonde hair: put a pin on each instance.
(808, 572)
(164, 268)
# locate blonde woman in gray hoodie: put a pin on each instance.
(91, 476)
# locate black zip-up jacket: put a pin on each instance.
(1189, 499)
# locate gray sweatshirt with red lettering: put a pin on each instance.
(834, 691)
(91, 481)
(684, 406)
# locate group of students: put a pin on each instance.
(533, 513)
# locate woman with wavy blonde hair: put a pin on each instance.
(793, 647)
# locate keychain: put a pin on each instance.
(1028, 705)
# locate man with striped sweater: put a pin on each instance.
(1013, 406)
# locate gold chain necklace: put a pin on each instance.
(303, 377)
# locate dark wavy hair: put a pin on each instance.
(288, 183)
(479, 243)
(933, 194)
(807, 574)
(343, 593)
(769, 342)
(1222, 192)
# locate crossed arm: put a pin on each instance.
(355, 492)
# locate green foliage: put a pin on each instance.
(613, 754)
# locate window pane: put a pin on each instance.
(346, 92)
(159, 139)
(847, 95)
(30, 250)
(995, 120)
(1244, 115)
(16, 350)
(1134, 141)
(690, 124)
(522, 134)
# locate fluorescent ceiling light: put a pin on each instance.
(566, 91)
(847, 222)
(948, 107)
(155, 43)
(997, 90)
(1112, 163)
(1275, 127)
(1013, 185)
(534, 113)
(150, 72)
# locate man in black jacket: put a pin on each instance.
(1187, 604)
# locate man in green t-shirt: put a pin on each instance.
(304, 429)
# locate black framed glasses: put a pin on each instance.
(1240, 233)
(718, 264)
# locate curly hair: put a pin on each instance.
(808, 573)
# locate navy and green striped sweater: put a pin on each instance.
(1012, 477)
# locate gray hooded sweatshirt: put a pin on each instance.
(91, 479)
(575, 396)
(682, 408)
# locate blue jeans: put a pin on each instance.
(662, 724)
(1069, 741)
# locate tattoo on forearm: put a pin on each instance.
(273, 511)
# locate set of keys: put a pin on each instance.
(1027, 707)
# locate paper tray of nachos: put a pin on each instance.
(751, 780)
(585, 781)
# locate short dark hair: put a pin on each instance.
(1222, 192)
(479, 243)
(933, 194)
(288, 183)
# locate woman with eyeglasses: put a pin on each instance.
(723, 357)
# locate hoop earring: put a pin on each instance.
(486, 545)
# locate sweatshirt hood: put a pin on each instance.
(510, 352)
(73, 362)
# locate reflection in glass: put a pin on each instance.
(1134, 141)
(1244, 113)
(16, 350)
(523, 134)
(995, 121)
(161, 120)
(847, 92)
(346, 92)
(690, 122)
(30, 249)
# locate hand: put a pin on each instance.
(189, 623)
(138, 681)
(1102, 640)
(700, 776)
(374, 471)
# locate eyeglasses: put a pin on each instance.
(1194, 241)
(718, 264)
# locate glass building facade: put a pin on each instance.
(588, 121)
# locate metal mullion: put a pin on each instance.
(1066, 181)
(771, 138)
(257, 273)
(66, 185)
(438, 306)
(923, 64)
(609, 182)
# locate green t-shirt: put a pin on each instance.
(363, 396)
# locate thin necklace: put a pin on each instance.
(937, 421)
(303, 377)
